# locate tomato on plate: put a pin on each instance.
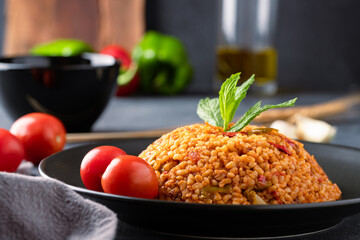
(11, 151)
(94, 164)
(42, 134)
(130, 176)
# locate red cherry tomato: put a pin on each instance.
(41, 134)
(11, 151)
(130, 176)
(94, 164)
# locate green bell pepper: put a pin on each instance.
(61, 48)
(162, 63)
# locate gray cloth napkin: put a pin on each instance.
(39, 208)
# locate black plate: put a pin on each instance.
(342, 164)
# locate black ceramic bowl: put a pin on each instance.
(74, 89)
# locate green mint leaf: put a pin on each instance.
(227, 98)
(231, 96)
(255, 111)
(209, 111)
(242, 90)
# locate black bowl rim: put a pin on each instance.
(97, 60)
(282, 207)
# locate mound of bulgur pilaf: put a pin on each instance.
(200, 163)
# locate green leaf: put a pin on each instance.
(255, 111)
(230, 97)
(227, 98)
(242, 90)
(209, 111)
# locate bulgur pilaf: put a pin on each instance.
(201, 163)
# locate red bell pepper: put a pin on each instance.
(128, 80)
(282, 148)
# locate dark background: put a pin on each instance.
(318, 41)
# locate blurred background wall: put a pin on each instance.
(318, 41)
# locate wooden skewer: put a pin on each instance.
(98, 136)
(319, 111)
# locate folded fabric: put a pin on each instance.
(39, 208)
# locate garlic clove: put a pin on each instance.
(285, 128)
(314, 130)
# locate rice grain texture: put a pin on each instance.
(200, 163)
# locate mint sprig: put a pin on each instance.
(220, 111)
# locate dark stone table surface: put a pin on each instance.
(137, 113)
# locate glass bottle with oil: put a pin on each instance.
(246, 43)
